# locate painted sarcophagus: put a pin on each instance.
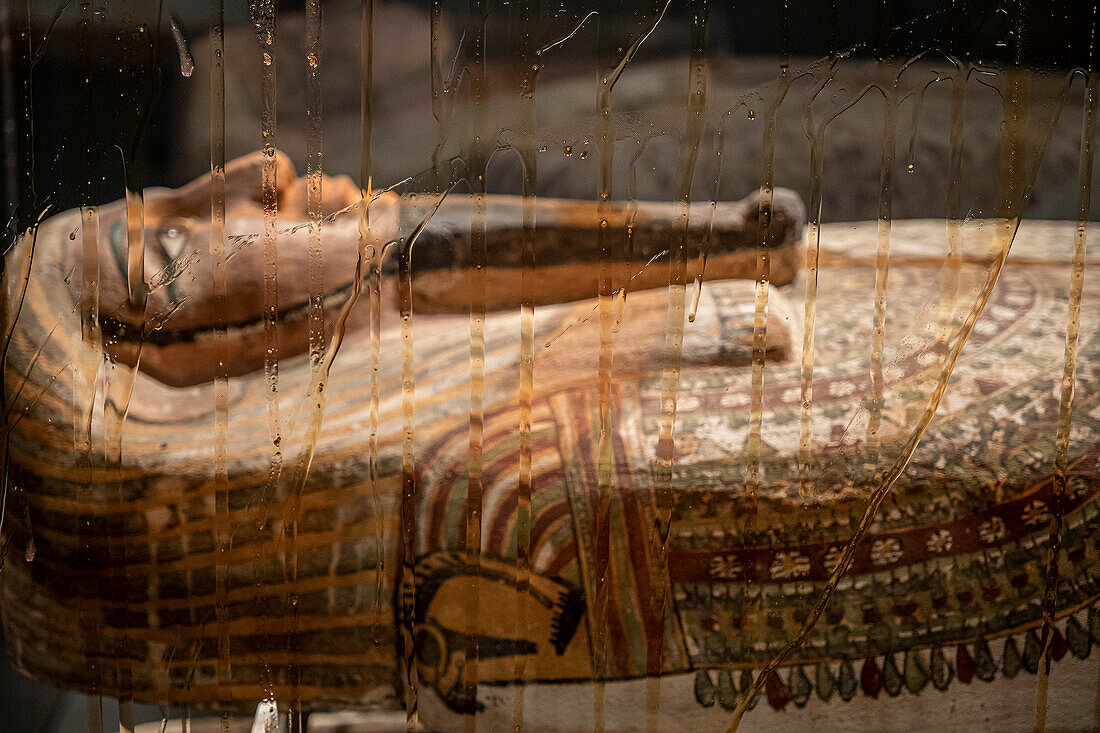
(619, 556)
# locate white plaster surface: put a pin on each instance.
(1000, 706)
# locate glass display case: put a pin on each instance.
(549, 366)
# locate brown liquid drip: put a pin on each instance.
(631, 218)
(1065, 403)
(90, 332)
(809, 319)
(602, 529)
(525, 146)
(760, 306)
(314, 168)
(813, 250)
(955, 211)
(442, 89)
(877, 400)
(187, 62)
(86, 383)
(316, 391)
(407, 548)
(366, 240)
(605, 468)
(704, 250)
(269, 197)
(265, 20)
(407, 588)
(368, 259)
(119, 386)
(478, 163)
(914, 126)
(670, 378)
(374, 296)
(222, 531)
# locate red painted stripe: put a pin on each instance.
(505, 518)
(444, 485)
(637, 536)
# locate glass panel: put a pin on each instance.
(553, 366)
